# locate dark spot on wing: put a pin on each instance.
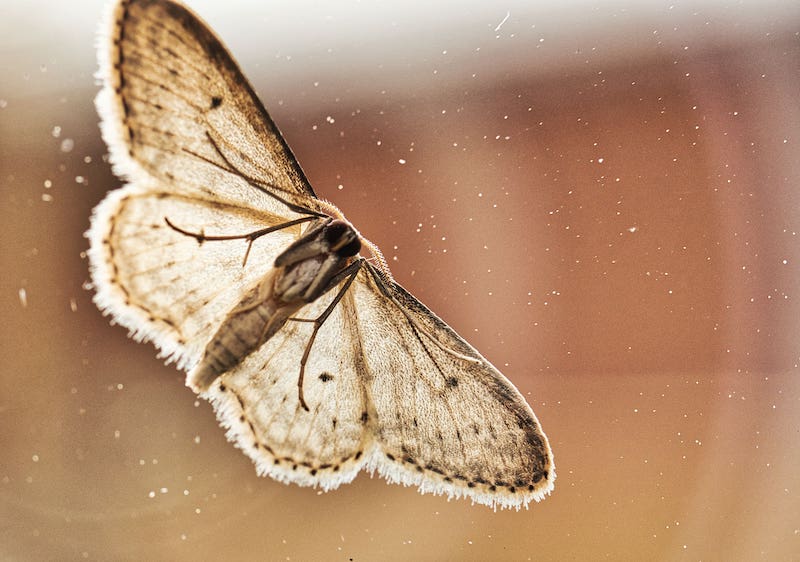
(436, 469)
(452, 382)
(216, 101)
(325, 377)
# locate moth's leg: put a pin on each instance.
(250, 236)
(350, 272)
(202, 237)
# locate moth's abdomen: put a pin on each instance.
(251, 323)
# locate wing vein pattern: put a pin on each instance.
(388, 386)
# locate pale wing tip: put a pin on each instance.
(112, 300)
(103, 34)
(108, 297)
(228, 408)
(429, 483)
(267, 462)
(108, 102)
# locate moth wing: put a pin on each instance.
(444, 418)
(184, 127)
(164, 286)
(258, 401)
(177, 110)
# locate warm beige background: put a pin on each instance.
(605, 200)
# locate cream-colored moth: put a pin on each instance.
(317, 363)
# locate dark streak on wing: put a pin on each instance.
(350, 319)
(224, 61)
(266, 188)
(384, 284)
(505, 393)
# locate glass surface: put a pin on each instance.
(602, 199)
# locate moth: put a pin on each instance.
(217, 250)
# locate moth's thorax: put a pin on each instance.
(309, 266)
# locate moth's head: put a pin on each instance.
(377, 257)
(342, 238)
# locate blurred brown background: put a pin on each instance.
(604, 199)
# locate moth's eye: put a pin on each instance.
(349, 249)
(336, 230)
(342, 239)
